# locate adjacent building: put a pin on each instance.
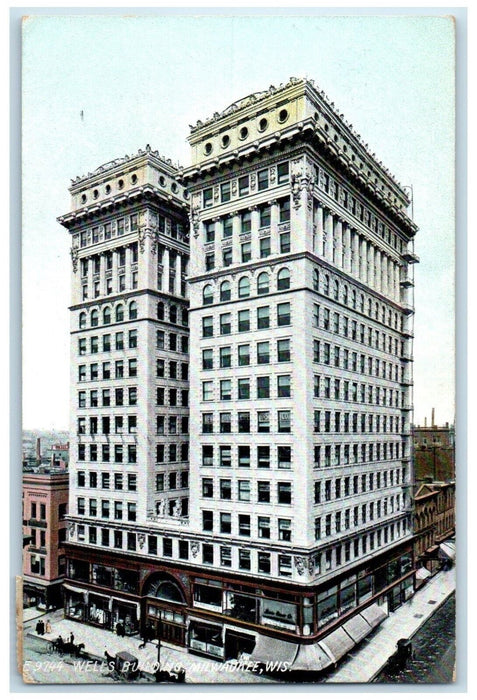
(434, 527)
(286, 529)
(434, 452)
(45, 506)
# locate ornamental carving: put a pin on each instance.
(148, 232)
(302, 182)
(301, 564)
(141, 538)
(234, 187)
(311, 566)
(195, 220)
(216, 193)
(194, 548)
(273, 174)
(71, 529)
(74, 258)
(253, 181)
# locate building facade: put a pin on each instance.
(434, 452)
(45, 506)
(434, 525)
(298, 535)
(129, 372)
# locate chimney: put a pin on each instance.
(433, 418)
(425, 421)
(38, 449)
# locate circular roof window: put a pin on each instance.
(243, 133)
(282, 115)
(225, 141)
(208, 148)
(262, 124)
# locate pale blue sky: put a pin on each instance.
(145, 79)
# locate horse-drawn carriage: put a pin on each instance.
(61, 647)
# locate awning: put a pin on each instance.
(130, 603)
(357, 628)
(270, 649)
(311, 657)
(374, 615)
(74, 589)
(337, 644)
(448, 550)
(422, 573)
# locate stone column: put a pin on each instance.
(178, 274)
(347, 247)
(318, 235)
(377, 270)
(102, 274)
(328, 236)
(274, 217)
(115, 279)
(255, 224)
(127, 271)
(166, 270)
(338, 242)
(355, 260)
(363, 260)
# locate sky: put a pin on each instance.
(98, 87)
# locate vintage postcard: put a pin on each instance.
(238, 339)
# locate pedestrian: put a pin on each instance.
(38, 627)
(72, 638)
(48, 627)
(42, 627)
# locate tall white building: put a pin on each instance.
(297, 540)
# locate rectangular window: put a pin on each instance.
(263, 317)
(263, 387)
(265, 247)
(263, 353)
(263, 421)
(284, 457)
(284, 386)
(284, 421)
(243, 388)
(283, 314)
(282, 173)
(262, 180)
(225, 324)
(225, 192)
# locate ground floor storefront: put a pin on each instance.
(42, 595)
(230, 617)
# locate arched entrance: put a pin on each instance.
(165, 613)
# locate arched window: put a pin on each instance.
(160, 310)
(106, 316)
(119, 312)
(383, 314)
(316, 280)
(326, 285)
(94, 318)
(82, 320)
(132, 310)
(336, 290)
(185, 317)
(370, 308)
(207, 295)
(376, 311)
(263, 283)
(173, 313)
(244, 287)
(353, 299)
(361, 303)
(283, 278)
(225, 291)
(345, 295)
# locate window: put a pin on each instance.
(284, 386)
(225, 291)
(265, 247)
(225, 390)
(225, 192)
(243, 185)
(282, 173)
(243, 422)
(225, 489)
(284, 421)
(207, 328)
(244, 525)
(283, 279)
(263, 317)
(225, 456)
(263, 353)
(210, 261)
(284, 530)
(209, 231)
(263, 492)
(225, 324)
(284, 210)
(243, 386)
(243, 490)
(246, 222)
(283, 350)
(263, 421)
(263, 387)
(207, 520)
(207, 359)
(284, 457)
(263, 526)
(243, 320)
(263, 457)
(207, 197)
(246, 249)
(207, 390)
(225, 357)
(132, 339)
(283, 314)
(262, 181)
(263, 283)
(244, 559)
(244, 456)
(227, 227)
(207, 295)
(225, 523)
(225, 422)
(285, 242)
(243, 355)
(227, 257)
(207, 488)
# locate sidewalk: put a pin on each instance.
(199, 669)
(364, 664)
(360, 666)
